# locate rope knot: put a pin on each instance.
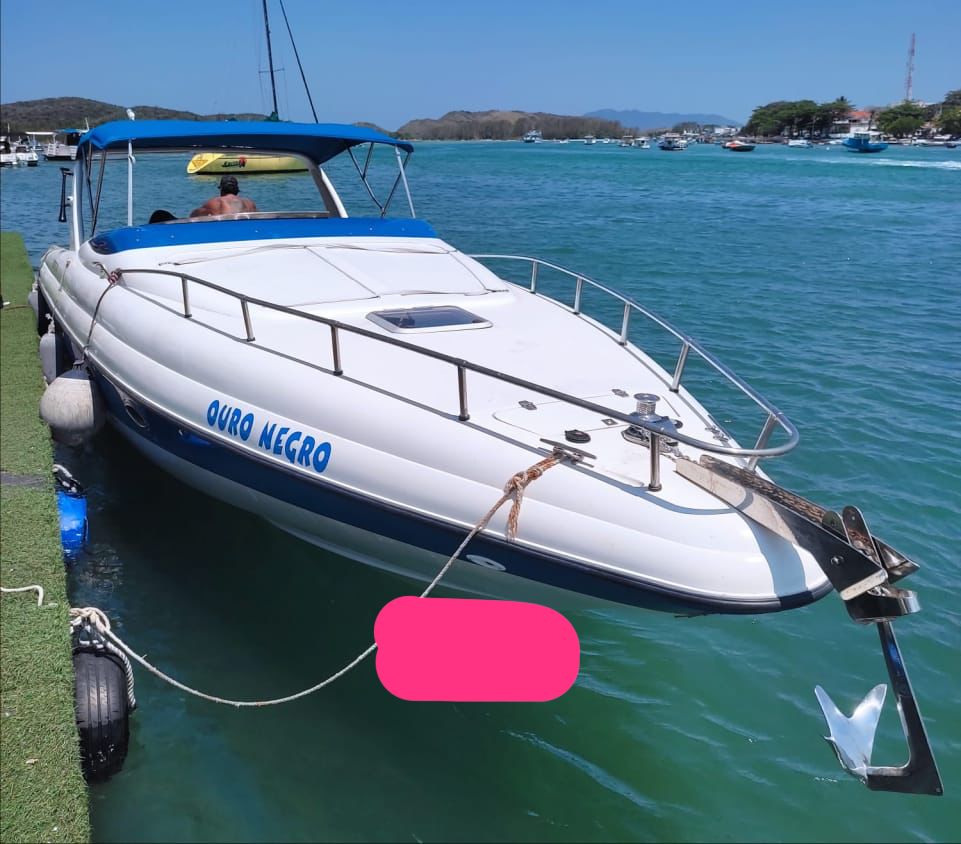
(96, 618)
(514, 489)
(114, 276)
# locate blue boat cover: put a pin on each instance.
(318, 142)
(227, 231)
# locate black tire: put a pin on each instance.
(43, 311)
(103, 719)
(64, 352)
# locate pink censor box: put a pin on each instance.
(470, 650)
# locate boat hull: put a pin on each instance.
(216, 163)
(857, 145)
(388, 536)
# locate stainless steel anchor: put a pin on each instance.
(863, 570)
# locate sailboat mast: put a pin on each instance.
(270, 61)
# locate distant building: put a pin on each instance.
(857, 119)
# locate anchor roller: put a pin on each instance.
(863, 570)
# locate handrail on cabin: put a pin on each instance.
(761, 449)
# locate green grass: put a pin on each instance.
(42, 793)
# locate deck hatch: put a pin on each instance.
(440, 318)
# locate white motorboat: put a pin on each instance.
(800, 143)
(672, 142)
(590, 139)
(534, 136)
(25, 154)
(63, 147)
(366, 386)
(8, 157)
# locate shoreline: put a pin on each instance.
(43, 796)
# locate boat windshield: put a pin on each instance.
(118, 187)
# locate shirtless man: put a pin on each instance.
(227, 203)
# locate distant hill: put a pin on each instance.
(505, 125)
(63, 112)
(645, 120)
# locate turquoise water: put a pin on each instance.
(830, 281)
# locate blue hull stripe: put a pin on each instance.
(317, 496)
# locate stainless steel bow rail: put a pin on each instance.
(861, 567)
(688, 344)
(659, 428)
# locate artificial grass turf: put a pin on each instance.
(42, 793)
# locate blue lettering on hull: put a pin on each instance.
(298, 448)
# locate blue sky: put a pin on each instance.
(388, 62)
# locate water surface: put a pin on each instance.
(829, 280)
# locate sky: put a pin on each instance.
(390, 62)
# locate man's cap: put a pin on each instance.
(228, 182)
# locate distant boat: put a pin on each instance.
(209, 163)
(63, 147)
(532, 137)
(589, 139)
(672, 142)
(627, 141)
(739, 146)
(26, 154)
(799, 142)
(8, 158)
(865, 141)
(642, 142)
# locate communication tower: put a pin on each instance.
(909, 77)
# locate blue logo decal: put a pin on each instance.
(298, 448)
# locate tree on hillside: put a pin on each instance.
(766, 120)
(952, 99)
(795, 117)
(830, 113)
(901, 120)
(950, 121)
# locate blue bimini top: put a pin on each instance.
(318, 142)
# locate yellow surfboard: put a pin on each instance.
(210, 163)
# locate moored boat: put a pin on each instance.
(63, 147)
(218, 163)
(532, 137)
(369, 388)
(672, 142)
(738, 145)
(867, 140)
(8, 158)
(25, 154)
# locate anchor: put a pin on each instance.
(863, 570)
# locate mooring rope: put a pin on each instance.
(112, 277)
(37, 589)
(513, 491)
